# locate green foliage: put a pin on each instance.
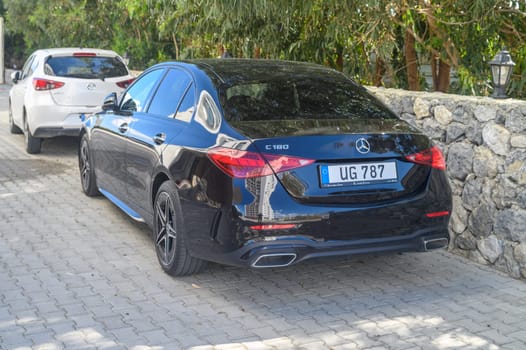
(517, 86)
(353, 36)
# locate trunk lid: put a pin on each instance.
(84, 92)
(349, 167)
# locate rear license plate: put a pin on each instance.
(357, 173)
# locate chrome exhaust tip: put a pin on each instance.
(274, 260)
(436, 243)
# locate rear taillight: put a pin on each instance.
(245, 164)
(46, 84)
(432, 157)
(124, 84)
(437, 214)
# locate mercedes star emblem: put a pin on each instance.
(362, 145)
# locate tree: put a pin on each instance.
(381, 42)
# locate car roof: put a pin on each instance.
(234, 71)
(71, 50)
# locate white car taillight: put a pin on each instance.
(45, 84)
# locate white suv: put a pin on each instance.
(57, 86)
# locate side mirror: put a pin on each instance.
(15, 76)
(110, 102)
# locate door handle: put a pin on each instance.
(159, 138)
(123, 127)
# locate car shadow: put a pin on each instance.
(339, 285)
(60, 146)
(58, 155)
(20, 169)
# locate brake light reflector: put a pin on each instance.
(437, 214)
(45, 84)
(84, 54)
(245, 164)
(432, 157)
(124, 84)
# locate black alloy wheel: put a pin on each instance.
(87, 173)
(170, 244)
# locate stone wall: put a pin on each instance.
(484, 141)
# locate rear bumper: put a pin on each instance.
(285, 251)
(232, 234)
(46, 119)
(46, 132)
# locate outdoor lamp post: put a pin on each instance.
(501, 69)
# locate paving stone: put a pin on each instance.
(255, 345)
(112, 322)
(14, 338)
(76, 273)
(346, 346)
(154, 336)
(83, 321)
(514, 345)
(494, 336)
(50, 345)
(316, 345)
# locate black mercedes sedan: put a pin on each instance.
(263, 163)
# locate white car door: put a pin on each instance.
(19, 89)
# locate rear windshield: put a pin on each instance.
(302, 98)
(85, 67)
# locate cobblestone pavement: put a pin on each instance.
(76, 273)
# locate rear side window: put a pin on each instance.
(300, 98)
(207, 113)
(86, 67)
(187, 106)
(29, 67)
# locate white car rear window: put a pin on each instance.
(85, 67)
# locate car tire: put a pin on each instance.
(170, 243)
(33, 144)
(87, 172)
(13, 129)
